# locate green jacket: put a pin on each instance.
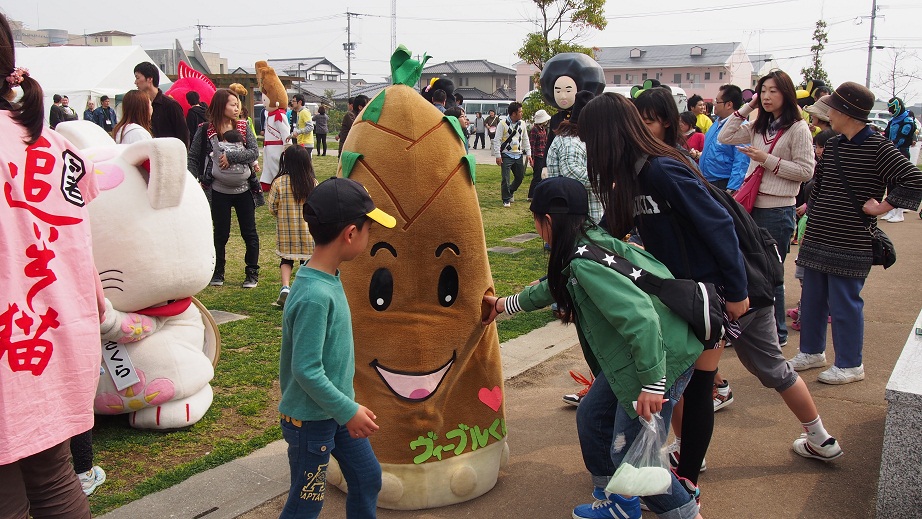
(630, 336)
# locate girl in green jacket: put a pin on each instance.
(639, 350)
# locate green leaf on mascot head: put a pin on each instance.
(348, 160)
(453, 121)
(372, 111)
(404, 69)
(471, 166)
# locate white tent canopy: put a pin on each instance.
(83, 73)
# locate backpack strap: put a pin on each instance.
(649, 283)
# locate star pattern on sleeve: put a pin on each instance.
(582, 249)
(609, 259)
(635, 273)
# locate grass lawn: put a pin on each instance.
(244, 415)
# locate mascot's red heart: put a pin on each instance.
(492, 398)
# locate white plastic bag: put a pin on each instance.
(645, 468)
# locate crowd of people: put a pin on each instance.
(646, 164)
(612, 167)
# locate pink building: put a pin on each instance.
(697, 68)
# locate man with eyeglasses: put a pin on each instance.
(723, 165)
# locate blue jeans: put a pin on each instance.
(606, 432)
(517, 166)
(779, 222)
(309, 450)
(823, 295)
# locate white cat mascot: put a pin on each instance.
(153, 248)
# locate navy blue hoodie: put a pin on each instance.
(686, 229)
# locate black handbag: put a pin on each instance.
(695, 302)
(882, 249)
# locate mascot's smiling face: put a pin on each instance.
(424, 363)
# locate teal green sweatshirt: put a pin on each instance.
(317, 357)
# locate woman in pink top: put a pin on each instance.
(49, 306)
(694, 139)
(780, 141)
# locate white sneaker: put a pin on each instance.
(674, 450)
(828, 451)
(837, 375)
(803, 361)
(91, 479)
(897, 217)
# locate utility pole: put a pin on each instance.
(393, 25)
(867, 80)
(349, 46)
(200, 27)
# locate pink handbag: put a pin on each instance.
(748, 192)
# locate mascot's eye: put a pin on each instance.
(448, 286)
(381, 289)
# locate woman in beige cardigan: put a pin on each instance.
(779, 140)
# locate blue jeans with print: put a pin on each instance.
(779, 222)
(309, 450)
(606, 432)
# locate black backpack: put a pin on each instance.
(764, 270)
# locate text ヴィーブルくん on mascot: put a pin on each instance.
(153, 248)
(424, 362)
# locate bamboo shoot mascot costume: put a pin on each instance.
(562, 77)
(275, 98)
(423, 361)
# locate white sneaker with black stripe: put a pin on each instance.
(827, 451)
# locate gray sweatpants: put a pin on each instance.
(760, 352)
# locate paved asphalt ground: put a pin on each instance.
(752, 471)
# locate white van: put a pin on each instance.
(681, 98)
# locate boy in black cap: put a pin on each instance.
(319, 415)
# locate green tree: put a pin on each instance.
(815, 70)
(563, 25)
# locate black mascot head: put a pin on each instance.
(442, 83)
(568, 73)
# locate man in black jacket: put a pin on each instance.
(167, 119)
(196, 114)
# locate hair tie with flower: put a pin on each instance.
(16, 76)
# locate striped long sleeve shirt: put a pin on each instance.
(837, 240)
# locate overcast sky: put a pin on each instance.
(494, 29)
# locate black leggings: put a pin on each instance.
(243, 204)
(81, 448)
(321, 143)
(697, 423)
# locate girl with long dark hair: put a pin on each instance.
(639, 349)
(780, 141)
(645, 182)
(231, 191)
(286, 200)
(135, 123)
